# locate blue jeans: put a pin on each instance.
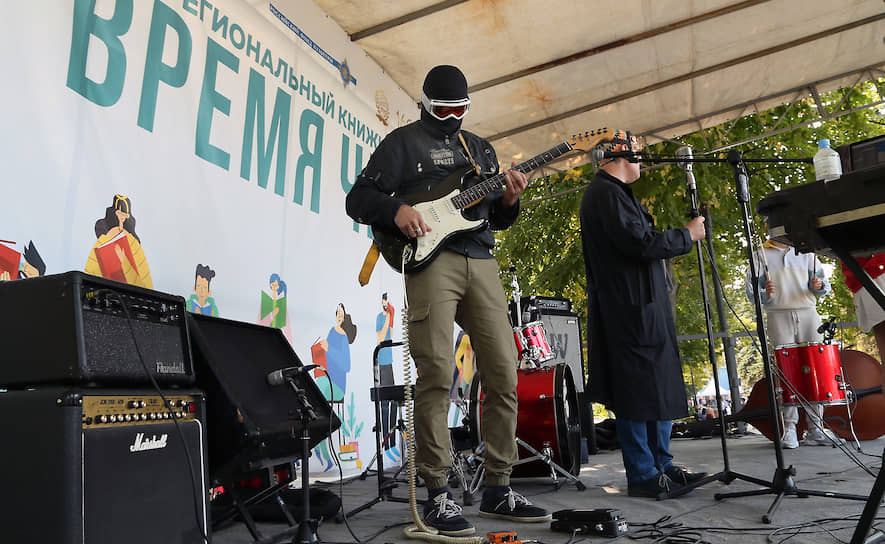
(645, 448)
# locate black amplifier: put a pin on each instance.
(74, 328)
(101, 466)
(547, 304)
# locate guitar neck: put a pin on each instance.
(486, 187)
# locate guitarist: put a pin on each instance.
(459, 285)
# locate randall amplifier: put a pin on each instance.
(101, 466)
(78, 329)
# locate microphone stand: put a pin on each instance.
(781, 483)
(726, 475)
(306, 414)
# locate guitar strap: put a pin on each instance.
(369, 264)
(469, 156)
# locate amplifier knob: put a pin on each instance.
(102, 418)
(153, 416)
(113, 418)
(128, 417)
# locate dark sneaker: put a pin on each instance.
(657, 487)
(443, 514)
(682, 476)
(514, 507)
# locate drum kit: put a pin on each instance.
(548, 431)
(812, 375)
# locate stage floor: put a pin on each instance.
(730, 520)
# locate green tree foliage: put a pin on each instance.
(545, 244)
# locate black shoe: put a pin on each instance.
(512, 506)
(657, 487)
(682, 476)
(443, 514)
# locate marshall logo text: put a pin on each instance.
(143, 444)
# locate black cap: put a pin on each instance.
(445, 83)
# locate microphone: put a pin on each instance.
(278, 377)
(683, 153)
(598, 155)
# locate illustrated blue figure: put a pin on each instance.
(333, 356)
(389, 409)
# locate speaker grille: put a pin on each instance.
(564, 336)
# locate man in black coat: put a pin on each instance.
(634, 369)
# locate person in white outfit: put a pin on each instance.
(790, 285)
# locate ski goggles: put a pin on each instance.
(444, 109)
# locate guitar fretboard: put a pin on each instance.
(480, 190)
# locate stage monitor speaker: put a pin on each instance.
(72, 328)
(102, 466)
(251, 422)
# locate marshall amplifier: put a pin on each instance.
(78, 329)
(90, 466)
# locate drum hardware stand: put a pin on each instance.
(782, 483)
(385, 486)
(546, 456)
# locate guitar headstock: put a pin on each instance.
(587, 140)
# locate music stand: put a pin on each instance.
(379, 395)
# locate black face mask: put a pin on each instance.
(444, 128)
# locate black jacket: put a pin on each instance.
(634, 366)
(415, 158)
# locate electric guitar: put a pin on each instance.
(442, 208)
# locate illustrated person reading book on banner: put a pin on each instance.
(117, 254)
(15, 265)
(790, 284)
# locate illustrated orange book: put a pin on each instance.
(109, 262)
(10, 260)
(318, 354)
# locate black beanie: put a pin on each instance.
(445, 83)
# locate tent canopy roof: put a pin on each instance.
(540, 71)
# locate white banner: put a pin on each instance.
(231, 132)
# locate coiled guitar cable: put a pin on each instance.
(419, 531)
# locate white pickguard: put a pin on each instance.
(444, 219)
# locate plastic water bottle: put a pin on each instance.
(827, 164)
